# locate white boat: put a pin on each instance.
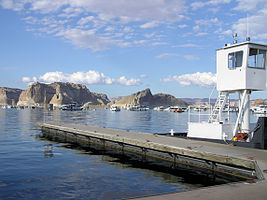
(115, 108)
(230, 109)
(262, 109)
(200, 108)
(71, 107)
(138, 108)
(159, 108)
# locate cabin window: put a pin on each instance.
(235, 59)
(256, 58)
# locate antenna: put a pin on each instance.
(235, 36)
(247, 30)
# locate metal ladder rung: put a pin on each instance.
(219, 105)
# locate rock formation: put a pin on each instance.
(9, 96)
(167, 100)
(140, 98)
(60, 93)
(145, 98)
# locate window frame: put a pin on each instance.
(264, 58)
(234, 60)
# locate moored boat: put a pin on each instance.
(115, 108)
(262, 109)
(159, 108)
(71, 107)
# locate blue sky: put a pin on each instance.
(120, 47)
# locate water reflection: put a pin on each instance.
(2, 121)
(48, 151)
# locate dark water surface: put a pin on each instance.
(32, 167)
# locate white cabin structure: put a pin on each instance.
(241, 68)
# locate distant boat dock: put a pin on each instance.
(246, 163)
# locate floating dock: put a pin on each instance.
(246, 163)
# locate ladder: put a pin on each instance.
(221, 102)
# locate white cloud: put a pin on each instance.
(85, 20)
(204, 79)
(191, 57)
(203, 25)
(182, 26)
(128, 29)
(159, 43)
(248, 5)
(149, 25)
(13, 5)
(253, 26)
(201, 34)
(89, 77)
(86, 24)
(130, 82)
(26, 79)
(166, 55)
(87, 39)
(196, 28)
(227, 32)
(186, 45)
(107, 10)
(150, 35)
(199, 4)
(207, 22)
(140, 42)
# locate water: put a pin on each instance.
(32, 167)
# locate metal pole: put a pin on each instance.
(188, 114)
(241, 106)
(246, 116)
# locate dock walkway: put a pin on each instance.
(245, 159)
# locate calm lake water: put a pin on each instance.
(32, 167)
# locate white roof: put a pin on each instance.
(242, 43)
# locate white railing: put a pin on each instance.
(201, 116)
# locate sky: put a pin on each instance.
(120, 47)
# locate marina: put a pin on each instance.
(244, 62)
(34, 166)
(141, 100)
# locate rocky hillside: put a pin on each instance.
(60, 93)
(168, 100)
(140, 98)
(9, 96)
(145, 98)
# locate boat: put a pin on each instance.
(138, 108)
(71, 107)
(159, 108)
(200, 108)
(176, 109)
(230, 109)
(115, 108)
(261, 109)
